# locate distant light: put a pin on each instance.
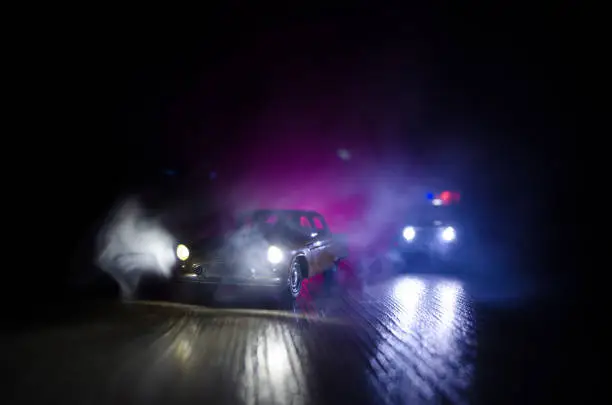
(449, 197)
(436, 202)
(212, 175)
(169, 172)
(344, 154)
(430, 196)
(445, 196)
(409, 233)
(449, 234)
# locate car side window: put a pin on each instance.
(305, 223)
(272, 219)
(320, 225)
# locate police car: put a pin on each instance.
(431, 229)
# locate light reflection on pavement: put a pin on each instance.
(407, 339)
(425, 347)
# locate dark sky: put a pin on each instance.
(481, 88)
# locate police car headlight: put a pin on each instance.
(182, 252)
(448, 234)
(275, 255)
(409, 233)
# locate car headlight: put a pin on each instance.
(448, 234)
(409, 233)
(182, 252)
(275, 255)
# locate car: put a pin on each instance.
(431, 231)
(264, 248)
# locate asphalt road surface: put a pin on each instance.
(404, 339)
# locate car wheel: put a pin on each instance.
(294, 281)
(292, 288)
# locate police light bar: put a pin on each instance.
(444, 198)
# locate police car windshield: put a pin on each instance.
(432, 215)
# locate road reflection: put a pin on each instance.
(406, 340)
(424, 348)
(272, 369)
(409, 294)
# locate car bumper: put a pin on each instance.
(231, 280)
(262, 276)
(433, 249)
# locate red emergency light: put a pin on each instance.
(445, 196)
(448, 197)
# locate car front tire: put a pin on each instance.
(292, 288)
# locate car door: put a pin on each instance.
(312, 243)
(323, 241)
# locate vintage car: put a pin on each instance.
(268, 248)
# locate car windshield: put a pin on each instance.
(220, 225)
(262, 219)
(431, 215)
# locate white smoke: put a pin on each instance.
(131, 244)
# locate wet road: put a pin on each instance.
(406, 339)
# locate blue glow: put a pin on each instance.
(430, 196)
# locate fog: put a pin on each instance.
(133, 243)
